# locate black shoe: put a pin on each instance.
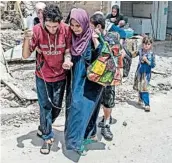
(101, 123)
(106, 133)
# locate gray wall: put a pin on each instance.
(169, 18)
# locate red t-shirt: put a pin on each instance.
(52, 49)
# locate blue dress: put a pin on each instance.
(85, 97)
(143, 72)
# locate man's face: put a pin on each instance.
(40, 14)
(114, 12)
(52, 26)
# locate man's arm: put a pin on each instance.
(26, 51)
(29, 44)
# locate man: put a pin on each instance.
(53, 39)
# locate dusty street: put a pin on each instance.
(147, 137)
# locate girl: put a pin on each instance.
(85, 95)
(143, 72)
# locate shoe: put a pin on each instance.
(147, 108)
(106, 133)
(101, 123)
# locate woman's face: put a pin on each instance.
(40, 14)
(75, 26)
(114, 12)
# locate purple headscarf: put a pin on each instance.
(80, 42)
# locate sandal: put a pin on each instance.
(82, 151)
(92, 139)
(46, 147)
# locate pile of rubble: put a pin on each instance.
(10, 38)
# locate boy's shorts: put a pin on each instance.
(108, 97)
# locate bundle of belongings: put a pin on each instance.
(110, 67)
(106, 69)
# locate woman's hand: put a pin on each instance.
(113, 19)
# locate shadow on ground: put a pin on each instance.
(135, 104)
(59, 137)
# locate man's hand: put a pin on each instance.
(28, 34)
(67, 65)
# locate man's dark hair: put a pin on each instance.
(52, 13)
(98, 19)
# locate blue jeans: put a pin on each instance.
(144, 96)
(49, 100)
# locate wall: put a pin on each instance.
(89, 6)
(169, 18)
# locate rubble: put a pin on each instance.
(10, 37)
(124, 123)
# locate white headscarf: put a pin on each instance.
(40, 6)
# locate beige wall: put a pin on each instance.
(89, 6)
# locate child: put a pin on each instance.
(143, 72)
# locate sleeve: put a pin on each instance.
(34, 41)
(120, 17)
(99, 49)
(95, 52)
(153, 63)
(68, 39)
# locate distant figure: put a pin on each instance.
(40, 6)
(115, 17)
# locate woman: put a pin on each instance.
(85, 94)
(115, 17)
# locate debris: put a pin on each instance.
(4, 43)
(158, 72)
(20, 94)
(9, 96)
(124, 123)
(15, 54)
(14, 104)
(16, 125)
